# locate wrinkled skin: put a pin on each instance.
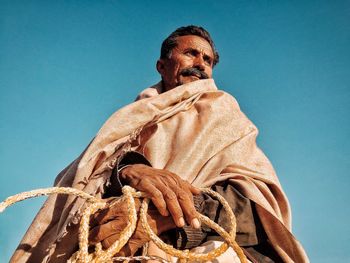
(170, 195)
(168, 192)
(191, 59)
(107, 224)
(190, 52)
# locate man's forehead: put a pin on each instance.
(194, 42)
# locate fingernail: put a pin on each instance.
(196, 223)
(181, 222)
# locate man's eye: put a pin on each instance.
(191, 53)
(208, 61)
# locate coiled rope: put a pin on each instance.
(107, 256)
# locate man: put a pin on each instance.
(179, 135)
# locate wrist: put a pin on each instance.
(122, 172)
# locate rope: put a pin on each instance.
(107, 256)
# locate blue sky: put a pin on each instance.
(65, 66)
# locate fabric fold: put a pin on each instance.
(195, 131)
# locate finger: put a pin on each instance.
(159, 202)
(188, 209)
(101, 232)
(124, 252)
(178, 179)
(129, 249)
(134, 245)
(109, 241)
(185, 198)
(114, 210)
(156, 196)
(174, 207)
(99, 218)
(194, 190)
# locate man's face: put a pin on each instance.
(190, 60)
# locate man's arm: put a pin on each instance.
(250, 233)
(168, 192)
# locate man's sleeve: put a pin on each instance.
(250, 234)
(189, 237)
(246, 232)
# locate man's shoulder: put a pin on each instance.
(150, 91)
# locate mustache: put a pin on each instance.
(194, 72)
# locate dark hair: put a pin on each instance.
(170, 42)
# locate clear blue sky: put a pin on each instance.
(65, 66)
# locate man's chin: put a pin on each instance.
(187, 79)
(182, 81)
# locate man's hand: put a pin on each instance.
(168, 192)
(107, 224)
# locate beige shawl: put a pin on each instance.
(195, 131)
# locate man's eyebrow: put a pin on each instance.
(191, 49)
(197, 50)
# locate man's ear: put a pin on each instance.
(160, 66)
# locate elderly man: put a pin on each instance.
(180, 134)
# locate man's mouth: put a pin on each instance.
(195, 76)
(193, 72)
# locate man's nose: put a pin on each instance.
(199, 63)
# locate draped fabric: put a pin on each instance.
(195, 131)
